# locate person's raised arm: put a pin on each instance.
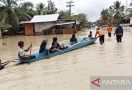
(28, 48)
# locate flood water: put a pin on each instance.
(70, 71)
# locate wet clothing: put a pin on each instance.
(100, 32)
(119, 31)
(101, 39)
(101, 36)
(109, 34)
(109, 29)
(119, 38)
(119, 34)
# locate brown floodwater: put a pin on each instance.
(70, 71)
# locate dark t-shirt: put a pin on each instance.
(73, 40)
(119, 31)
(58, 45)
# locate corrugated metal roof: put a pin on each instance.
(65, 23)
(45, 18)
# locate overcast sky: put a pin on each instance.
(91, 8)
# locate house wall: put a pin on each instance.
(69, 31)
(29, 29)
(66, 29)
(39, 27)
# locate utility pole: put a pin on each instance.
(70, 5)
(126, 6)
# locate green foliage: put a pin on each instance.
(13, 13)
(51, 9)
(41, 10)
(81, 18)
(114, 14)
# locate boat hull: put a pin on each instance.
(82, 42)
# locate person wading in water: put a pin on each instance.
(109, 29)
(101, 35)
(119, 33)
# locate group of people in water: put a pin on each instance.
(56, 46)
(101, 34)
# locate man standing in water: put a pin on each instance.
(101, 35)
(119, 33)
(109, 29)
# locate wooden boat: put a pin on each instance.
(82, 42)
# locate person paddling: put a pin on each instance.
(101, 35)
(2, 65)
(21, 53)
(119, 33)
(109, 29)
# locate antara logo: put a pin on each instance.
(96, 82)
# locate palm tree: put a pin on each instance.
(51, 9)
(11, 13)
(25, 11)
(118, 10)
(7, 9)
(41, 10)
(105, 16)
(129, 10)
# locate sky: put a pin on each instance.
(91, 8)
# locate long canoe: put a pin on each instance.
(82, 42)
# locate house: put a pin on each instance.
(49, 24)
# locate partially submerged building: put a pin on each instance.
(49, 24)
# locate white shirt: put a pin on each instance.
(21, 52)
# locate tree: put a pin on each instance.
(41, 10)
(82, 19)
(64, 15)
(105, 16)
(118, 10)
(129, 10)
(9, 14)
(25, 11)
(12, 14)
(113, 15)
(51, 9)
